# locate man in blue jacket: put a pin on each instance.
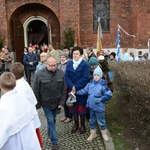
(30, 61)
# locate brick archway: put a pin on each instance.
(32, 12)
(27, 22)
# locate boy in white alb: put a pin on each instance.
(17, 130)
(22, 86)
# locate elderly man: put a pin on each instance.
(90, 53)
(50, 91)
(30, 61)
(42, 63)
(53, 53)
(8, 60)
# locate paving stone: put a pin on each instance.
(68, 141)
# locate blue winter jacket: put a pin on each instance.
(96, 90)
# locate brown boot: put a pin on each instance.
(82, 120)
(76, 123)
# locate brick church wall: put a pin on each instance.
(3, 21)
(143, 22)
(133, 16)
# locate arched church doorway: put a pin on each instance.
(37, 32)
(32, 23)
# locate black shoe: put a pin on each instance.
(82, 130)
(58, 111)
(55, 147)
(74, 129)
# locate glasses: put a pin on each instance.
(54, 65)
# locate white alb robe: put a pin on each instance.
(17, 131)
(23, 87)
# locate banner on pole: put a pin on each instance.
(99, 36)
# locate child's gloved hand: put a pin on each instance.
(97, 100)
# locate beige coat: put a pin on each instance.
(55, 54)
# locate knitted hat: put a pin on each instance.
(98, 71)
(101, 57)
(113, 54)
(93, 61)
(64, 54)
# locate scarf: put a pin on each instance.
(76, 63)
(63, 62)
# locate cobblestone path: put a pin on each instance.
(68, 141)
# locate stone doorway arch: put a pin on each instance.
(28, 21)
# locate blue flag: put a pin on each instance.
(100, 32)
(118, 45)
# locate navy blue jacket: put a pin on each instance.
(77, 78)
(30, 58)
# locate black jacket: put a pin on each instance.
(50, 88)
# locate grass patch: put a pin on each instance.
(114, 124)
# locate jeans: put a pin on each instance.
(99, 118)
(51, 120)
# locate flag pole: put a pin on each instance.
(99, 36)
(118, 43)
(119, 28)
(77, 41)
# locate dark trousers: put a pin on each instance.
(29, 73)
(25, 71)
(66, 110)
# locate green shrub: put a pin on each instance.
(69, 37)
(132, 81)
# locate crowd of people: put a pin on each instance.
(131, 57)
(5, 59)
(84, 75)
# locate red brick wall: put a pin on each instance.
(3, 21)
(69, 15)
(86, 24)
(133, 16)
(143, 23)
